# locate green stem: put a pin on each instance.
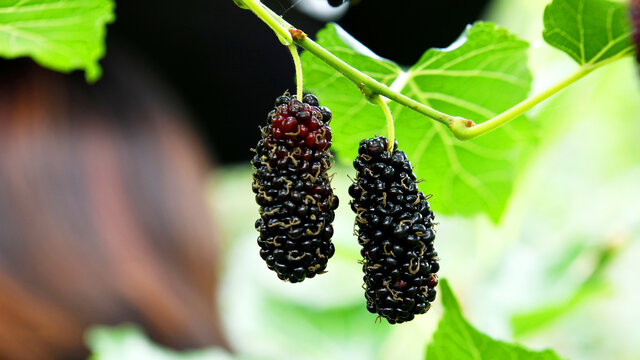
(368, 85)
(387, 115)
(298, 65)
(464, 130)
(257, 8)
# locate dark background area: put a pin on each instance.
(227, 66)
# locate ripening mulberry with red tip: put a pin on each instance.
(293, 190)
(395, 229)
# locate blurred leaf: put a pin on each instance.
(592, 286)
(63, 35)
(538, 319)
(590, 31)
(457, 339)
(567, 257)
(335, 331)
(483, 76)
(128, 342)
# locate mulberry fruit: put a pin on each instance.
(395, 230)
(293, 190)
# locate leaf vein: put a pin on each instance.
(474, 73)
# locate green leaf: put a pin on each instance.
(483, 76)
(128, 342)
(63, 35)
(590, 31)
(456, 339)
(594, 285)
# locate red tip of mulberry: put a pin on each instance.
(289, 124)
(303, 131)
(314, 124)
(305, 124)
(310, 140)
(322, 144)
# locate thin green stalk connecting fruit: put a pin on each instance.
(298, 66)
(461, 128)
(389, 118)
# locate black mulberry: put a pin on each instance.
(293, 190)
(395, 229)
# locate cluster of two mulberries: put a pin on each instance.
(293, 190)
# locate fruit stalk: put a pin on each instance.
(464, 129)
(298, 66)
(389, 118)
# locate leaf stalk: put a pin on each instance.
(465, 129)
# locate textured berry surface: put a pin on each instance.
(395, 228)
(635, 18)
(293, 190)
